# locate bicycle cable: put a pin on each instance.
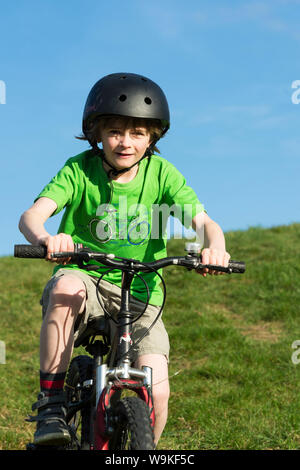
(157, 316)
(147, 303)
(146, 306)
(107, 312)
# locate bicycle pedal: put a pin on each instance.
(87, 384)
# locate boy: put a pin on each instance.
(109, 196)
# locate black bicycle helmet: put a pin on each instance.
(124, 94)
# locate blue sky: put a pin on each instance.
(227, 69)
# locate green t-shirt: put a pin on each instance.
(127, 219)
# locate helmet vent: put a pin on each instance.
(148, 100)
(123, 98)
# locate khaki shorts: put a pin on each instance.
(155, 342)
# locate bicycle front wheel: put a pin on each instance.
(80, 370)
(132, 428)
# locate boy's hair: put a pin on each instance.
(153, 126)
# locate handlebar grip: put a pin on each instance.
(238, 267)
(36, 251)
(30, 251)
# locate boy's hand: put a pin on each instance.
(216, 257)
(57, 243)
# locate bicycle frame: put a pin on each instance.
(112, 380)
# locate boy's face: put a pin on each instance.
(124, 146)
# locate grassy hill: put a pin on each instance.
(233, 382)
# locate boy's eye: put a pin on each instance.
(134, 132)
(138, 132)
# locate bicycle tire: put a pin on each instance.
(133, 430)
(80, 370)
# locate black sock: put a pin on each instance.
(52, 384)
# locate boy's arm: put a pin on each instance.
(211, 234)
(32, 226)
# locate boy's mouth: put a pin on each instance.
(123, 155)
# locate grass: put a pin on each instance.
(233, 383)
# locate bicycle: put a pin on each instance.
(99, 418)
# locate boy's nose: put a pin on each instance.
(125, 139)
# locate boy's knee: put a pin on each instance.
(161, 395)
(68, 291)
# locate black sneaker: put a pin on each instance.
(52, 429)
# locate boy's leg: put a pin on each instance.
(161, 390)
(66, 301)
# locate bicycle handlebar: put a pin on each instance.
(83, 254)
